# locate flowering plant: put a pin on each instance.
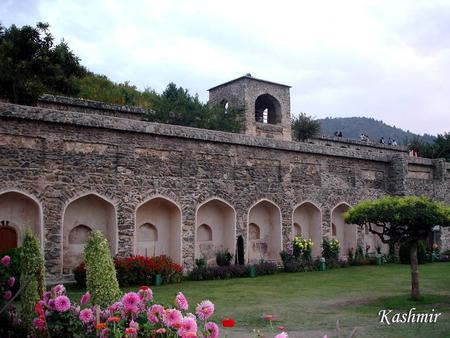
(302, 247)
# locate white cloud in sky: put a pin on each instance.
(384, 59)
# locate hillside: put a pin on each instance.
(352, 127)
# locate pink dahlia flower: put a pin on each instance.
(85, 298)
(6, 260)
(161, 330)
(51, 304)
(155, 313)
(146, 294)
(39, 323)
(86, 316)
(62, 303)
(188, 325)
(172, 317)
(282, 335)
(181, 302)
(116, 307)
(131, 301)
(7, 295)
(11, 282)
(59, 289)
(131, 332)
(46, 297)
(204, 310)
(213, 329)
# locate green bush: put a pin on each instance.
(223, 257)
(404, 253)
(32, 273)
(101, 277)
(330, 249)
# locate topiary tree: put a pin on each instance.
(101, 277)
(401, 220)
(32, 276)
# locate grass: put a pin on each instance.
(309, 304)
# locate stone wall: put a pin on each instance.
(58, 156)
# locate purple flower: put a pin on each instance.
(11, 282)
(39, 323)
(130, 301)
(7, 295)
(85, 298)
(62, 303)
(213, 329)
(204, 310)
(6, 260)
(47, 296)
(145, 293)
(181, 302)
(155, 313)
(86, 316)
(59, 289)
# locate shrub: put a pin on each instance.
(79, 273)
(223, 257)
(266, 268)
(200, 263)
(101, 279)
(330, 249)
(32, 274)
(404, 253)
(231, 271)
(302, 247)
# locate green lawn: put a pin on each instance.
(308, 304)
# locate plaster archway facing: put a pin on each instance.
(21, 210)
(85, 213)
(267, 216)
(346, 234)
(307, 219)
(164, 235)
(220, 217)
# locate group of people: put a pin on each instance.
(364, 137)
(391, 141)
(338, 133)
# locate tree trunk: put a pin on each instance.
(415, 293)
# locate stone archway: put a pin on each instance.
(346, 234)
(158, 229)
(267, 109)
(307, 219)
(215, 229)
(264, 218)
(81, 216)
(17, 213)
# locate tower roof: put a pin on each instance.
(250, 78)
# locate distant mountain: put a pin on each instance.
(352, 127)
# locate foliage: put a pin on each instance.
(240, 256)
(32, 274)
(231, 271)
(140, 270)
(330, 249)
(223, 257)
(134, 315)
(439, 148)
(304, 127)
(302, 247)
(14, 268)
(201, 262)
(79, 273)
(30, 64)
(405, 250)
(176, 106)
(101, 278)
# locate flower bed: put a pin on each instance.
(231, 271)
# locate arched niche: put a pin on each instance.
(215, 229)
(161, 234)
(307, 222)
(374, 241)
(81, 216)
(267, 109)
(346, 234)
(254, 232)
(18, 212)
(267, 216)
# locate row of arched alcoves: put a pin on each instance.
(158, 226)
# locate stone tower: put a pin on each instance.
(267, 105)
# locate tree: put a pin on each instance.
(30, 64)
(401, 220)
(304, 127)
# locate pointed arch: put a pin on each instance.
(307, 221)
(346, 234)
(161, 235)
(267, 216)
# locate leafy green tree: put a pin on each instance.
(32, 275)
(401, 220)
(439, 148)
(101, 276)
(305, 127)
(30, 64)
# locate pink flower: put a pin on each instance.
(39, 323)
(7, 295)
(104, 333)
(11, 281)
(282, 335)
(85, 298)
(161, 330)
(213, 329)
(86, 316)
(280, 328)
(188, 325)
(130, 301)
(134, 325)
(172, 317)
(62, 303)
(145, 293)
(131, 332)
(204, 310)
(46, 297)
(59, 289)
(181, 302)
(6, 260)
(116, 307)
(51, 304)
(153, 311)
(268, 317)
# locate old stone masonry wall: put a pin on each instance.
(186, 192)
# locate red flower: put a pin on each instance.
(228, 322)
(39, 310)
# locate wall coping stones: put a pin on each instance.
(13, 111)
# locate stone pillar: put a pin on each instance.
(398, 169)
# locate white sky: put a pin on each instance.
(389, 60)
